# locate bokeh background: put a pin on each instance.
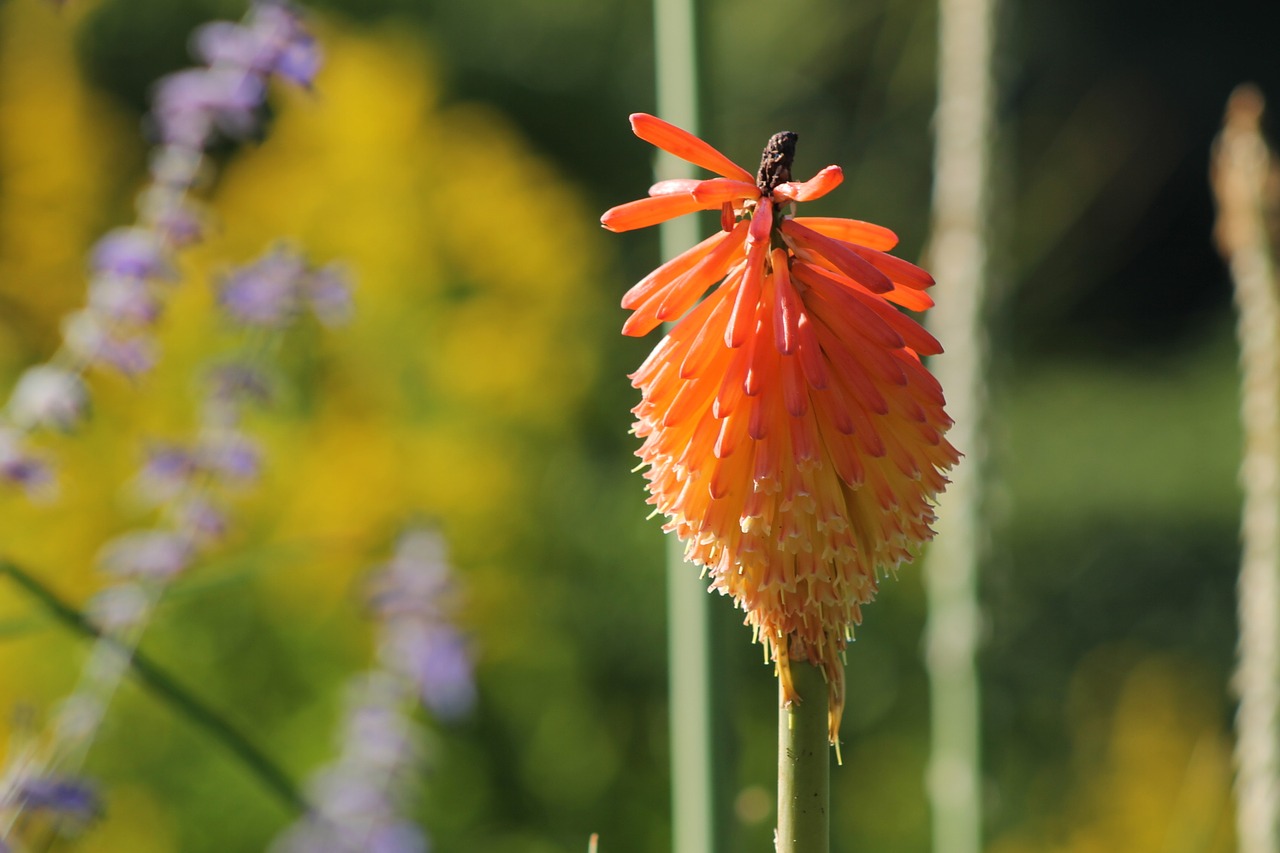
(457, 156)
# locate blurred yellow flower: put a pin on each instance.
(60, 151)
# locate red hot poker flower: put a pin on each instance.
(793, 439)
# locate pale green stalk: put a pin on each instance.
(697, 819)
(1241, 169)
(804, 766)
(958, 256)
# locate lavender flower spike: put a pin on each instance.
(412, 596)
(154, 554)
(48, 396)
(72, 799)
(328, 292)
(356, 800)
(272, 290)
(131, 252)
(128, 264)
(20, 467)
(265, 293)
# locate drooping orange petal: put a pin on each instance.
(761, 221)
(867, 322)
(835, 426)
(852, 231)
(726, 216)
(731, 386)
(923, 383)
(720, 190)
(809, 351)
(912, 333)
(683, 144)
(899, 271)
(909, 298)
(674, 186)
(840, 255)
(762, 368)
(732, 432)
(659, 359)
(760, 417)
(669, 272)
(833, 407)
(644, 212)
(786, 308)
(805, 443)
(689, 400)
(795, 391)
(851, 370)
(687, 289)
(708, 344)
(748, 297)
(814, 188)
(730, 470)
(846, 391)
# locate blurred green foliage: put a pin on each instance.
(457, 155)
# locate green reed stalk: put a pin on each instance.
(699, 820)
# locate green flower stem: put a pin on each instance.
(804, 767)
(162, 685)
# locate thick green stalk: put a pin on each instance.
(804, 767)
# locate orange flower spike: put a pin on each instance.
(793, 439)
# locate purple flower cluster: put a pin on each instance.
(182, 480)
(68, 803)
(412, 597)
(357, 801)
(21, 466)
(272, 291)
(225, 96)
(71, 799)
(131, 267)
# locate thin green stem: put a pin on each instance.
(804, 767)
(163, 686)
